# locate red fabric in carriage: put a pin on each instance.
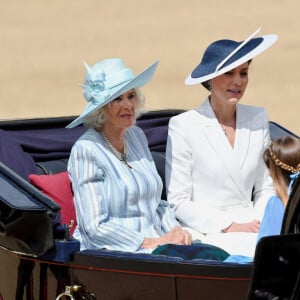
(58, 188)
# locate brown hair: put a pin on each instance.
(282, 158)
(207, 84)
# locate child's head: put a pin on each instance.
(282, 158)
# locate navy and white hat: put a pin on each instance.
(224, 55)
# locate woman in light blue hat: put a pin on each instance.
(116, 186)
(217, 182)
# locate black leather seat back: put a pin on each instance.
(52, 166)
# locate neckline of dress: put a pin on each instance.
(121, 156)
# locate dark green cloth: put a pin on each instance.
(195, 251)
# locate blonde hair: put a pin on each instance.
(282, 158)
(97, 119)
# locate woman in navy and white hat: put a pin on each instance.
(217, 182)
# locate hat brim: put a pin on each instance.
(136, 82)
(267, 41)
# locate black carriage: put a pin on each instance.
(40, 260)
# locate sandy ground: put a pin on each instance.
(44, 43)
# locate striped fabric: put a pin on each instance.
(117, 207)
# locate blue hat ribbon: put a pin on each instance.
(293, 177)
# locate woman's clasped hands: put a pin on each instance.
(177, 236)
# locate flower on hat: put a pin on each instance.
(95, 85)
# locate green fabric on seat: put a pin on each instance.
(195, 251)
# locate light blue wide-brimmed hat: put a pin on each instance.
(107, 80)
(224, 55)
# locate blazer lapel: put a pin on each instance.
(221, 146)
(242, 138)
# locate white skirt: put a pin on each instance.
(235, 243)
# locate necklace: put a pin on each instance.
(121, 156)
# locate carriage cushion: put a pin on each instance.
(58, 188)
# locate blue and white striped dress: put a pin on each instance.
(117, 207)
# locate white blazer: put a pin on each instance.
(209, 183)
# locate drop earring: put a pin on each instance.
(209, 85)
